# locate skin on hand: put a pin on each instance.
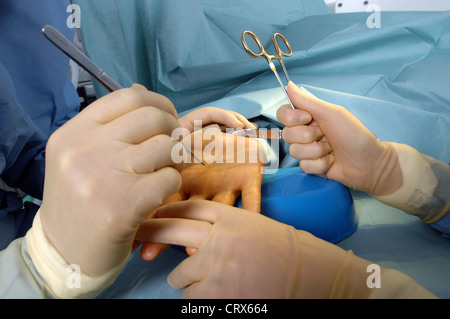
(106, 169)
(234, 167)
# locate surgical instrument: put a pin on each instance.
(62, 43)
(272, 134)
(269, 58)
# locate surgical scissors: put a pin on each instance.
(62, 43)
(269, 57)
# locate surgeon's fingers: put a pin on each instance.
(148, 156)
(141, 124)
(289, 117)
(312, 151)
(322, 112)
(126, 100)
(189, 271)
(317, 166)
(176, 231)
(149, 191)
(302, 134)
(195, 209)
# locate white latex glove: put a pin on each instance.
(242, 254)
(212, 115)
(338, 144)
(106, 170)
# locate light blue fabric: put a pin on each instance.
(189, 51)
(391, 238)
(395, 79)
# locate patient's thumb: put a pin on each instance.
(304, 100)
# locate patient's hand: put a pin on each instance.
(234, 166)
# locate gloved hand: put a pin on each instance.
(234, 166)
(106, 170)
(246, 255)
(212, 115)
(338, 144)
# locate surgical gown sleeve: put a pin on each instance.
(440, 203)
(22, 163)
(425, 190)
(22, 145)
(18, 276)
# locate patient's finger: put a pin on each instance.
(251, 196)
(228, 198)
(179, 196)
(245, 121)
(209, 115)
(198, 197)
(149, 251)
(191, 250)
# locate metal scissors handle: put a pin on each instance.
(280, 53)
(62, 43)
(269, 57)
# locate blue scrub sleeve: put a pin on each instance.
(440, 203)
(443, 225)
(22, 147)
(39, 71)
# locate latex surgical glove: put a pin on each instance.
(212, 115)
(234, 167)
(338, 144)
(246, 255)
(106, 170)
